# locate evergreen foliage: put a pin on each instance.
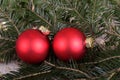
(94, 17)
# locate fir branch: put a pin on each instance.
(110, 77)
(80, 79)
(88, 77)
(32, 75)
(93, 13)
(107, 74)
(112, 73)
(42, 18)
(100, 61)
(10, 20)
(65, 8)
(7, 39)
(70, 69)
(113, 33)
(76, 11)
(91, 17)
(8, 50)
(33, 6)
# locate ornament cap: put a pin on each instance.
(44, 30)
(89, 42)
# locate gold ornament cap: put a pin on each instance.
(44, 30)
(89, 42)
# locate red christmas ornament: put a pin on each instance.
(69, 43)
(32, 46)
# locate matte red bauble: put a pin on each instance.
(69, 43)
(32, 46)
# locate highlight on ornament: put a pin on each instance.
(69, 43)
(32, 46)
